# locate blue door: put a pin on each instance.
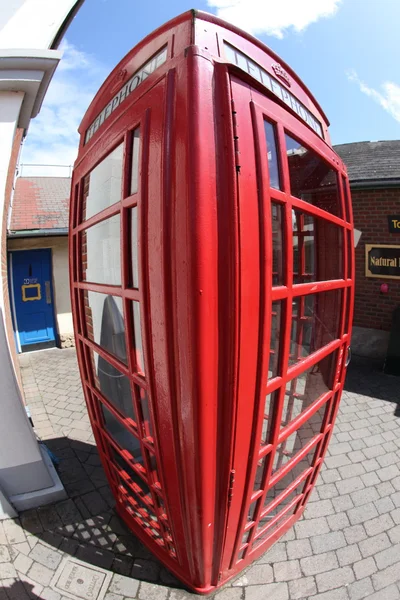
(32, 298)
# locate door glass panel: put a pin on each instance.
(315, 323)
(277, 244)
(138, 337)
(133, 475)
(287, 449)
(273, 164)
(101, 253)
(269, 407)
(134, 247)
(105, 322)
(135, 161)
(306, 388)
(114, 386)
(123, 438)
(276, 330)
(317, 249)
(102, 186)
(311, 178)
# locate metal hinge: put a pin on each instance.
(231, 483)
(235, 137)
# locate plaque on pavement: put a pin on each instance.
(80, 580)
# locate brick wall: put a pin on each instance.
(371, 209)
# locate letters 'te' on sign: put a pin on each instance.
(394, 223)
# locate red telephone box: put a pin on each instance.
(211, 245)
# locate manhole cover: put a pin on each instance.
(79, 580)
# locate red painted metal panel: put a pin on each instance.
(204, 295)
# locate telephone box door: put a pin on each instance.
(296, 264)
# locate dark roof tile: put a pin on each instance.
(371, 160)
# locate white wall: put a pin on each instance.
(31, 23)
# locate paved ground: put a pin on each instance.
(347, 546)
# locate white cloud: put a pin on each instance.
(52, 137)
(388, 98)
(273, 17)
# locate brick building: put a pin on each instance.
(374, 173)
(37, 243)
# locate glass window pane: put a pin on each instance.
(135, 161)
(312, 179)
(102, 186)
(285, 482)
(134, 247)
(114, 386)
(276, 330)
(269, 407)
(317, 249)
(259, 474)
(346, 199)
(101, 254)
(315, 323)
(306, 388)
(124, 438)
(105, 322)
(273, 164)
(277, 243)
(144, 403)
(138, 338)
(296, 442)
(133, 475)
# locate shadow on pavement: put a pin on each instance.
(366, 377)
(86, 525)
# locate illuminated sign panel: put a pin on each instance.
(127, 89)
(244, 62)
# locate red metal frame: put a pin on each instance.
(200, 419)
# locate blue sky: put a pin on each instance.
(346, 51)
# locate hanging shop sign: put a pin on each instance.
(394, 223)
(382, 261)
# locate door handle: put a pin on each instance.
(48, 292)
(348, 357)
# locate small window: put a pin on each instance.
(134, 247)
(277, 243)
(135, 161)
(138, 338)
(105, 322)
(311, 178)
(273, 164)
(102, 186)
(114, 386)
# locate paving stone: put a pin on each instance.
(49, 517)
(260, 573)
(40, 573)
(7, 570)
(335, 579)
(387, 557)
(338, 594)
(347, 486)
(348, 555)
(386, 577)
(125, 586)
(311, 527)
(327, 542)
(298, 548)
(312, 565)
(394, 534)
(276, 553)
(385, 489)
(365, 496)
(360, 514)
(274, 591)
(302, 588)
(395, 514)
(374, 544)
(13, 531)
(365, 567)
(22, 563)
(286, 571)
(45, 556)
(343, 503)
(94, 502)
(389, 593)
(229, 594)
(321, 508)
(152, 591)
(358, 590)
(147, 570)
(338, 521)
(4, 554)
(30, 521)
(378, 525)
